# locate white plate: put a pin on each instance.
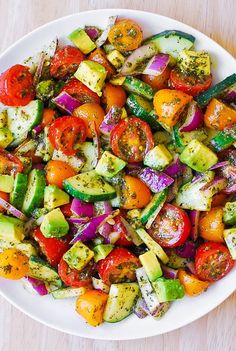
(60, 314)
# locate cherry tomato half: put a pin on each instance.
(213, 261)
(171, 227)
(158, 82)
(131, 139)
(73, 277)
(190, 84)
(9, 164)
(119, 227)
(118, 267)
(79, 91)
(65, 132)
(16, 86)
(52, 248)
(65, 62)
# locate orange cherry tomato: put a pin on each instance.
(158, 82)
(48, 117)
(211, 225)
(192, 285)
(135, 193)
(57, 171)
(91, 114)
(91, 306)
(4, 196)
(169, 104)
(219, 199)
(99, 56)
(13, 264)
(125, 35)
(218, 115)
(113, 95)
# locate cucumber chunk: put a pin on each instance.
(137, 86)
(35, 191)
(19, 189)
(40, 269)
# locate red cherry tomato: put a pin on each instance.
(16, 86)
(73, 277)
(79, 91)
(52, 248)
(66, 210)
(118, 267)
(120, 228)
(171, 227)
(213, 261)
(190, 84)
(65, 132)
(131, 139)
(65, 62)
(9, 164)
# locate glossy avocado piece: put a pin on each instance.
(109, 165)
(11, 229)
(168, 289)
(101, 251)
(83, 42)
(151, 265)
(54, 224)
(6, 183)
(78, 256)
(54, 197)
(230, 213)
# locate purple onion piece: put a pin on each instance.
(134, 168)
(230, 94)
(140, 309)
(187, 250)
(219, 165)
(38, 285)
(40, 166)
(191, 267)
(157, 64)
(14, 211)
(175, 168)
(161, 310)
(193, 119)
(156, 181)
(83, 220)
(111, 119)
(81, 208)
(38, 129)
(218, 183)
(169, 273)
(66, 102)
(93, 32)
(194, 219)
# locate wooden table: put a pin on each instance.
(216, 331)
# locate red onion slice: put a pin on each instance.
(193, 119)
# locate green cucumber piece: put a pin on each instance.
(20, 120)
(224, 139)
(172, 42)
(86, 152)
(35, 191)
(155, 204)
(215, 91)
(230, 239)
(176, 261)
(19, 189)
(40, 269)
(121, 299)
(65, 293)
(182, 139)
(229, 216)
(137, 86)
(90, 187)
(143, 109)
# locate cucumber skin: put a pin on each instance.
(39, 261)
(37, 198)
(138, 87)
(167, 33)
(216, 90)
(86, 197)
(19, 190)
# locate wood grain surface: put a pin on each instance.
(214, 332)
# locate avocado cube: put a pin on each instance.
(3, 118)
(116, 58)
(158, 158)
(6, 137)
(11, 229)
(101, 251)
(197, 63)
(168, 289)
(230, 239)
(109, 165)
(26, 247)
(78, 256)
(91, 74)
(198, 156)
(6, 183)
(54, 197)
(230, 213)
(151, 265)
(83, 42)
(54, 224)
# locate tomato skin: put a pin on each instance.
(219, 115)
(219, 199)
(171, 227)
(91, 114)
(169, 104)
(52, 248)
(135, 194)
(113, 95)
(120, 228)
(91, 306)
(158, 82)
(65, 131)
(57, 171)
(9, 164)
(213, 261)
(16, 86)
(129, 136)
(211, 225)
(189, 84)
(118, 267)
(14, 264)
(66, 210)
(65, 62)
(192, 285)
(73, 277)
(4, 196)
(99, 56)
(48, 117)
(80, 92)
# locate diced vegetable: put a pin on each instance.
(80, 38)
(192, 62)
(156, 181)
(194, 118)
(158, 158)
(147, 290)
(230, 239)
(230, 213)
(66, 102)
(78, 256)
(157, 64)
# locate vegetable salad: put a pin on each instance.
(117, 172)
